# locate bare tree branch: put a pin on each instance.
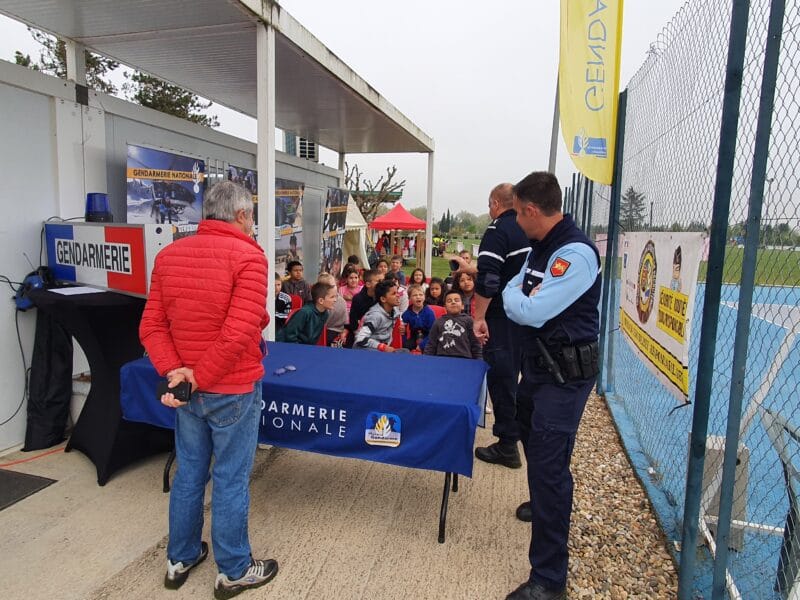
(369, 196)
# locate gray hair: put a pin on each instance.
(224, 200)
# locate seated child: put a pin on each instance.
(337, 316)
(376, 329)
(350, 286)
(397, 269)
(306, 324)
(451, 334)
(435, 292)
(283, 303)
(465, 285)
(296, 285)
(418, 318)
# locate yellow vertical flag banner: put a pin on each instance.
(588, 83)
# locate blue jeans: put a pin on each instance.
(225, 426)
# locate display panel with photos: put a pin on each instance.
(288, 223)
(165, 188)
(333, 229)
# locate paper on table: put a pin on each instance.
(74, 291)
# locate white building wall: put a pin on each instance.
(52, 152)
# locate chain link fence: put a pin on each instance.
(669, 170)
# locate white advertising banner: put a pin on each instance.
(659, 282)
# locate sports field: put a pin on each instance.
(662, 426)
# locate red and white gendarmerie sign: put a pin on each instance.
(117, 257)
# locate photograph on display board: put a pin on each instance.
(249, 179)
(333, 229)
(288, 223)
(163, 187)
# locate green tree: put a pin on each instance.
(421, 212)
(167, 98)
(632, 210)
(53, 61)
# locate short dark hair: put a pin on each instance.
(383, 287)
(451, 293)
(353, 259)
(382, 260)
(320, 290)
(397, 257)
(369, 275)
(542, 189)
(292, 264)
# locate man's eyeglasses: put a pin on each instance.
(286, 369)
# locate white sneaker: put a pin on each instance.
(258, 573)
(178, 572)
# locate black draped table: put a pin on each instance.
(106, 325)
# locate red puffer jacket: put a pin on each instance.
(207, 308)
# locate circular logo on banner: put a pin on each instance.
(646, 286)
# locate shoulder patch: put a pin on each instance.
(559, 267)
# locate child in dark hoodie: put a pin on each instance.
(451, 334)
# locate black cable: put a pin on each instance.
(26, 370)
(11, 284)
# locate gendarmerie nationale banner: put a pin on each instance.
(588, 83)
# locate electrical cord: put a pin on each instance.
(25, 368)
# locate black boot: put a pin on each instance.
(500, 454)
(524, 512)
(534, 591)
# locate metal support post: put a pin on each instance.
(265, 153)
(604, 378)
(759, 174)
(708, 331)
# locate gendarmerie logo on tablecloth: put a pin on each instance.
(382, 429)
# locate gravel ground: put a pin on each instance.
(617, 549)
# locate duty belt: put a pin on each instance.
(568, 363)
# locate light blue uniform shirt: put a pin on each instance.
(555, 293)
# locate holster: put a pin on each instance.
(576, 362)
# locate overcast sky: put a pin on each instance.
(478, 78)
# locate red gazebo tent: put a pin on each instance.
(400, 219)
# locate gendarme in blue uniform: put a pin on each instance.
(562, 272)
(501, 255)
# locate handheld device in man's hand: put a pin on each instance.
(454, 265)
(182, 391)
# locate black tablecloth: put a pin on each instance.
(106, 325)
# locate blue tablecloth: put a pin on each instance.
(413, 411)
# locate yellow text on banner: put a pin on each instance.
(163, 175)
(588, 82)
(667, 364)
(671, 317)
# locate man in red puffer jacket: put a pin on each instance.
(202, 323)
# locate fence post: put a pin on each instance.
(760, 157)
(572, 191)
(586, 184)
(589, 210)
(604, 378)
(708, 330)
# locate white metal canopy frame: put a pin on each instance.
(249, 55)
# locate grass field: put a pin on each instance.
(439, 266)
(773, 266)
